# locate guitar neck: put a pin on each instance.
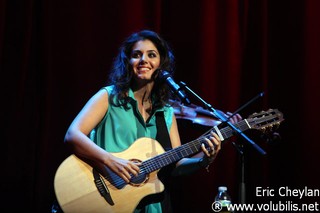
(189, 148)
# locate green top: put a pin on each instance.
(120, 127)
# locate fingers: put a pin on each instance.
(235, 118)
(216, 140)
(124, 174)
(125, 169)
(129, 169)
(214, 143)
(205, 151)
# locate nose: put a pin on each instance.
(143, 59)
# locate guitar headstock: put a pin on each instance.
(265, 120)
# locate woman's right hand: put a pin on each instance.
(122, 167)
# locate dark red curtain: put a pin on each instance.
(55, 55)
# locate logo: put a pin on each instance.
(216, 206)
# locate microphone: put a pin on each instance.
(175, 88)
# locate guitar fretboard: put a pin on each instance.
(188, 149)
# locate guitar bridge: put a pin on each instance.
(102, 187)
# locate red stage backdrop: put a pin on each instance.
(54, 55)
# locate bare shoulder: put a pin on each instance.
(97, 103)
(100, 96)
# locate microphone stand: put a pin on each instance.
(240, 148)
(242, 185)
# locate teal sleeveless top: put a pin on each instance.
(121, 126)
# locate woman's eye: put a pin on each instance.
(152, 55)
(135, 55)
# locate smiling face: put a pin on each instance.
(144, 59)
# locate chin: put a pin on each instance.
(144, 76)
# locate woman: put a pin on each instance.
(117, 115)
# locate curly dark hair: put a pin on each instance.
(121, 73)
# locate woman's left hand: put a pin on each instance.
(214, 144)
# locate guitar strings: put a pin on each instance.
(148, 164)
(225, 131)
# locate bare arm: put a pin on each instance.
(79, 142)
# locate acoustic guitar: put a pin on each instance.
(81, 188)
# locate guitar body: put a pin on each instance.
(76, 191)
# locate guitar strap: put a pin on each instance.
(162, 131)
(164, 139)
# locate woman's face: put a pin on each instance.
(144, 59)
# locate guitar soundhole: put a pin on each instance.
(142, 177)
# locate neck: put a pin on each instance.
(142, 93)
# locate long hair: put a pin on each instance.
(121, 73)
